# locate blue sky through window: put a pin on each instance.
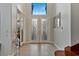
(39, 8)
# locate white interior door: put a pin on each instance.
(35, 30)
(39, 30)
(43, 29)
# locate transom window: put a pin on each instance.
(39, 8)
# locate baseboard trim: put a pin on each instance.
(58, 47)
(47, 42)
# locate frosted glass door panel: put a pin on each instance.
(34, 29)
(43, 29)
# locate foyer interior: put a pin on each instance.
(37, 29)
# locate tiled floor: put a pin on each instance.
(36, 50)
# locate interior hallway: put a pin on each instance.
(59, 26)
(36, 50)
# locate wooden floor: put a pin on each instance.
(36, 50)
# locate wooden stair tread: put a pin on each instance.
(59, 53)
(68, 51)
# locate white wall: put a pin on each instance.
(51, 14)
(74, 23)
(0, 33)
(13, 28)
(27, 22)
(5, 11)
(29, 17)
(8, 15)
(62, 37)
(8, 28)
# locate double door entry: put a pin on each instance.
(39, 30)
